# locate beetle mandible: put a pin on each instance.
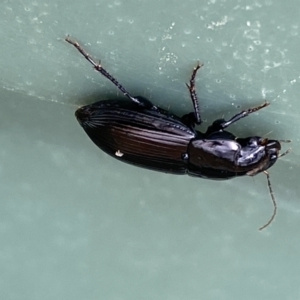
(137, 132)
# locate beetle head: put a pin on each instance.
(260, 153)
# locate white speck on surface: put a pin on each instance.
(214, 25)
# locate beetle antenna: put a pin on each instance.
(285, 141)
(268, 133)
(273, 200)
(98, 67)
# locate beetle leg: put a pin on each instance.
(222, 125)
(193, 94)
(98, 67)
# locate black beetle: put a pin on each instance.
(137, 132)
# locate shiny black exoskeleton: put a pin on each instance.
(137, 132)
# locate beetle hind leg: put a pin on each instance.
(193, 94)
(100, 69)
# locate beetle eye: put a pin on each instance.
(252, 142)
(273, 157)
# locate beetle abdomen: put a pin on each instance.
(149, 138)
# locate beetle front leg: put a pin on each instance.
(221, 124)
(193, 94)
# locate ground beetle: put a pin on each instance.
(137, 132)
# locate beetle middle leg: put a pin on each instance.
(194, 117)
(193, 94)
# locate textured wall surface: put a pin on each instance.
(77, 224)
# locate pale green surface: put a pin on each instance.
(76, 224)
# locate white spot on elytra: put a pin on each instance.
(119, 153)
